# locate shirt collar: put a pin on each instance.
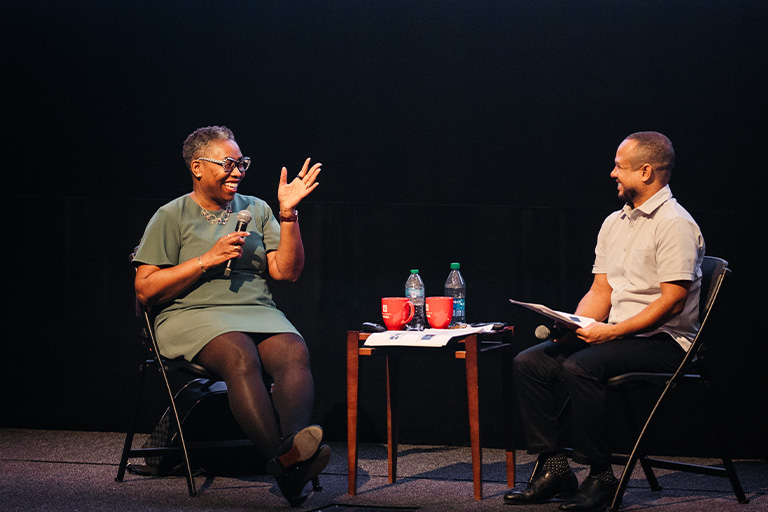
(648, 207)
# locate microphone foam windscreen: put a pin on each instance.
(244, 216)
(542, 332)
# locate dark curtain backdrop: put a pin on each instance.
(478, 132)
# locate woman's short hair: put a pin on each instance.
(197, 141)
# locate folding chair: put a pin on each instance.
(153, 360)
(692, 369)
(181, 446)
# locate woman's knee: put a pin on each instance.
(284, 351)
(231, 354)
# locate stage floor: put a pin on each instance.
(45, 470)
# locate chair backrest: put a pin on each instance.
(147, 316)
(714, 271)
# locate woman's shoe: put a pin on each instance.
(297, 448)
(293, 481)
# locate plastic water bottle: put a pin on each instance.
(455, 287)
(414, 290)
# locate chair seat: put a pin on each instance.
(180, 364)
(637, 380)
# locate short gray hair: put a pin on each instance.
(197, 141)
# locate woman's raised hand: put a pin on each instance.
(290, 194)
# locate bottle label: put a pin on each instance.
(415, 293)
(458, 307)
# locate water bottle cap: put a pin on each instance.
(455, 266)
(414, 271)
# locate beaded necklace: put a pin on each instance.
(213, 217)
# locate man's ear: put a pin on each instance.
(648, 176)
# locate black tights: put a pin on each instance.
(240, 360)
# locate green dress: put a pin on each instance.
(215, 304)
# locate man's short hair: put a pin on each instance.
(653, 148)
(197, 141)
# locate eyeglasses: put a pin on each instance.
(230, 163)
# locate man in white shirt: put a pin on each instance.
(644, 296)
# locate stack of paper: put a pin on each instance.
(425, 338)
(568, 319)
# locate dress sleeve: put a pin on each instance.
(161, 243)
(270, 228)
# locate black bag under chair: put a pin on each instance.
(203, 409)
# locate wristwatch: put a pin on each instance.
(292, 218)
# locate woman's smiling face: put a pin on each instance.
(214, 183)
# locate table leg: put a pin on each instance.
(474, 414)
(353, 364)
(510, 468)
(393, 365)
(506, 375)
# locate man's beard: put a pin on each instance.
(628, 195)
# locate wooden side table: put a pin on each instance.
(469, 349)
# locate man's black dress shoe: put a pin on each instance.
(544, 487)
(593, 495)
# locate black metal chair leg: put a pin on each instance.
(190, 478)
(132, 429)
(635, 455)
(730, 470)
(650, 476)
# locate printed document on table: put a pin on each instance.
(425, 338)
(568, 319)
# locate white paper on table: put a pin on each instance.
(425, 338)
(568, 319)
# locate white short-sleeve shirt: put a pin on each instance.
(639, 248)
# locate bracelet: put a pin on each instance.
(293, 218)
(200, 262)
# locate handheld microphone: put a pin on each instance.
(545, 333)
(243, 218)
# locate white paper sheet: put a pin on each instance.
(425, 338)
(569, 319)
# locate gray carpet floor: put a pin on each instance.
(44, 470)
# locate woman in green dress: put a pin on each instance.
(228, 322)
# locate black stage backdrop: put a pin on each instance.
(479, 132)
